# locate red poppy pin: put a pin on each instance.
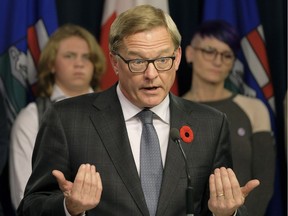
(186, 134)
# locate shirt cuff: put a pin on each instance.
(66, 211)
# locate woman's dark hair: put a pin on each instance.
(220, 30)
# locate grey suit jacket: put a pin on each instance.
(91, 129)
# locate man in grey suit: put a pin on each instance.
(87, 154)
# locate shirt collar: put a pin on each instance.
(162, 110)
(58, 94)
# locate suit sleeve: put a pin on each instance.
(223, 152)
(217, 135)
(223, 156)
(42, 194)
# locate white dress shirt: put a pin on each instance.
(134, 128)
(134, 125)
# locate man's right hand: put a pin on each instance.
(85, 193)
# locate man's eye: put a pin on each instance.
(138, 61)
(162, 60)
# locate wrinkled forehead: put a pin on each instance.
(156, 38)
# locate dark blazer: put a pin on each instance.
(91, 129)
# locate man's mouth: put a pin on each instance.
(151, 88)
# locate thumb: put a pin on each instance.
(250, 185)
(64, 184)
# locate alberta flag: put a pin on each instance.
(25, 27)
(251, 73)
(112, 9)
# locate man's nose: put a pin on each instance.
(151, 72)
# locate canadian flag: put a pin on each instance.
(112, 8)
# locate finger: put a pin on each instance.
(234, 185)
(99, 187)
(59, 176)
(64, 184)
(79, 180)
(226, 185)
(229, 181)
(94, 180)
(87, 181)
(250, 185)
(212, 187)
(218, 183)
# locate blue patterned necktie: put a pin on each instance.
(151, 167)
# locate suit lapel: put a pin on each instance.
(110, 126)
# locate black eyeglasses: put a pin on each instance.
(211, 54)
(141, 65)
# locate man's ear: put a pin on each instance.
(114, 62)
(178, 57)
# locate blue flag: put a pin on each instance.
(251, 73)
(25, 28)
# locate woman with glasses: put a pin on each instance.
(212, 53)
